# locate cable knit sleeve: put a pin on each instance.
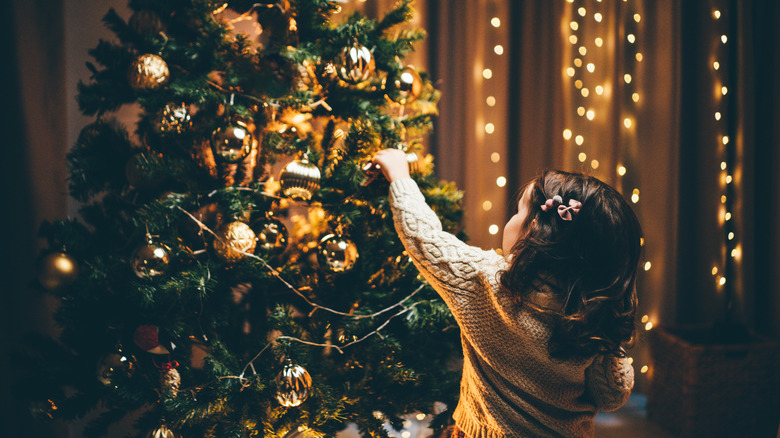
(455, 269)
(609, 380)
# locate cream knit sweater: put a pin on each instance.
(511, 387)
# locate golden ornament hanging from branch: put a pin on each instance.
(148, 72)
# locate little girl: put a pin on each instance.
(542, 327)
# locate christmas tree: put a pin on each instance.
(235, 271)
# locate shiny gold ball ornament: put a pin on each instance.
(173, 119)
(404, 86)
(300, 179)
(56, 270)
(233, 241)
(357, 64)
(115, 366)
(161, 432)
(148, 72)
(337, 253)
(170, 381)
(151, 259)
(272, 236)
(293, 384)
(232, 143)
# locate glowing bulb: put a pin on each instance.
(490, 128)
(582, 157)
(581, 111)
(487, 205)
(599, 90)
(597, 17)
(491, 101)
(716, 14)
(567, 134)
(599, 42)
(649, 325)
(420, 417)
(574, 25)
(634, 198)
(590, 114)
(637, 18)
(727, 216)
(406, 433)
(487, 73)
(495, 157)
(627, 78)
(643, 369)
(579, 140)
(578, 83)
(577, 62)
(630, 360)
(493, 229)
(583, 50)
(639, 57)
(592, 67)
(641, 241)
(717, 115)
(498, 49)
(645, 318)
(582, 12)
(573, 39)
(722, 281)
(570, 72)
(731, 235)
(648, 266)
(627, 122)
(734, 253)
(724, 90)
(495, 22)
(716, 65)
(728, 179)
(584, 92)
(714, 270)
(723, 199)
(635, 191)
(501, 181)
(631, 38)
(635, 97)
(722, 165)
(621, 170)
(594, 164)
(724, 38)
(725, 139)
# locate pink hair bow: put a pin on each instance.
(566, 213)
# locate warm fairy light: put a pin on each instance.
(570, 72)
(490, 128)
(621, 170)
(573, 39)
(501, 181)
(495, 22)
(582, 12)
(406, 434)
(584, 92)
(567, 134)
(714, 270)
(630, 360)
(716, 14)
(574, 25)
(637, 18)
(581, 111)
(734, 253)
(643, 369)
(579, 140)
(648, 265)
(590, 114)
(727, 216)
(578, 83)
(723, 199)
(631, 38)
(724, 38)
(582, 157)
(725, 139)
(487, 73)
(493, 229)
(639, 57)
(645, 318)
(722, 165)
(641, 241)
(577, 62)
(591, 67)
(599, 42)
(599, 90)
(495, 157)
(491, 101)
(635, 198)
(420, 416)
(728, 179)
(649, 325)
(635, 97)
(594, 164)
(487, 205)
(627, 78)
(597, 17)
(583, 50)
(731, 235)
(498, 49)
(722, 281)
(716, 65)
(627, 122)
(724, 90)
(717, 115)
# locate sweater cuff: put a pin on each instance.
(404, 187)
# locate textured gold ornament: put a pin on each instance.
(161, 432)
(170, 381)
(300, 179)
(413, 160)
(293, 384)
(115, 365)
(148, 72)
(233, 240)
(232, 143)
(272, 236)
(404, 86)
(57, 270)
(151, 259)
(173, 119)
(337, 253)
(357, 64)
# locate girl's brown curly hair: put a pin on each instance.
(589, 264)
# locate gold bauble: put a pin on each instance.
(300, 179)
(148, 72)
(57, 270)
(161, 432)
(115, 365)
(337, 253)
(170, 381)
(404, 86)
(232, 143)
(293, 384)
(233, 240)
(173, 119)
(413, 160)
(272, 236)
(151, 259)
(357, 64)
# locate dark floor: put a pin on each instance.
(628, 421)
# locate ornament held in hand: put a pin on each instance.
(300, 179)
(148, 72)
(234, 240)
(337, 253)
(150, 260)
(56, 270)
(293, 384)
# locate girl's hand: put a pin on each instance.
(392, 163)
